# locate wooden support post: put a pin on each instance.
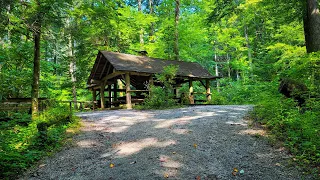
(208, 91)
(151, 83)
(191, 97)
(120, 87)
(115, 91)
(128, 94)
(102, 95)
(176, 92)
(110, 96)
(94, 98)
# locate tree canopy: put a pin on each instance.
(48, 48)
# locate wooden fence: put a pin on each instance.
(20, 104)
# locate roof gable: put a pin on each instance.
(143, 64)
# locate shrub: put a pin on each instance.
(158, 99)
(217, 99)
(299, 131)
(23, 142)
(162, 97)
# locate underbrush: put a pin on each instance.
(158, 99)
(24, 141)
(298, 128)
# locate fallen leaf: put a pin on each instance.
(111, 165)
(133, 162)
(174, 152)
(166, 175)
(235, 169)
(198, 178)
(195, 145)
(234, 173)
(278, 164)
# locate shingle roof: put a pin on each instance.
(143, 64)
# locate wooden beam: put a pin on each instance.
(121, 88)
(137, 73)
(139, 91)
(112, 75)
(102, 95)
(203, 84)
(94, 81)
(151, 82)
(128, 94)
(208, 91)
(115, 91)
(191, 97)
(98, 64)
(110, 96)
(94, 98)
(104, 67)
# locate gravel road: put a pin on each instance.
(202, 142)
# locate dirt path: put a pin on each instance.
(204, 142)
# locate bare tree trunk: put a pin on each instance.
(36, 64)
(229, 69)
(141, 29)
(72, 67)
(312, 26)
(176, 32)
(9, 22)
(216, 69)
(152, 25)
(248, 46)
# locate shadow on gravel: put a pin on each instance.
(205, 142)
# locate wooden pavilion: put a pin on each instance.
(112, 71)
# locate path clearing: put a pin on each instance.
(204, 142)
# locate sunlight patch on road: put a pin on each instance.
(88, 143)
(260, 132)
(129, 148)
(182, 120)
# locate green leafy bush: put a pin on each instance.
(299, 131)
(162, 97)
(24, 141)
(217, 99)
(158, 99)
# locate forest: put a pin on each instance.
(266, 52)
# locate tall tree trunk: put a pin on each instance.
(152, 25)
(312, 26)
(229, 68)
(72, 67)
(216, 68)
(36, 64)
(141, 29)
(248, 46)
(9, 22)
(176, 31)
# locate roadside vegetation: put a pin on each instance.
(24, 141)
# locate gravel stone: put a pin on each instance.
(205, 142)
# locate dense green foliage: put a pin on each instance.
(252, 44)
(161, 97)
(23, 142)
